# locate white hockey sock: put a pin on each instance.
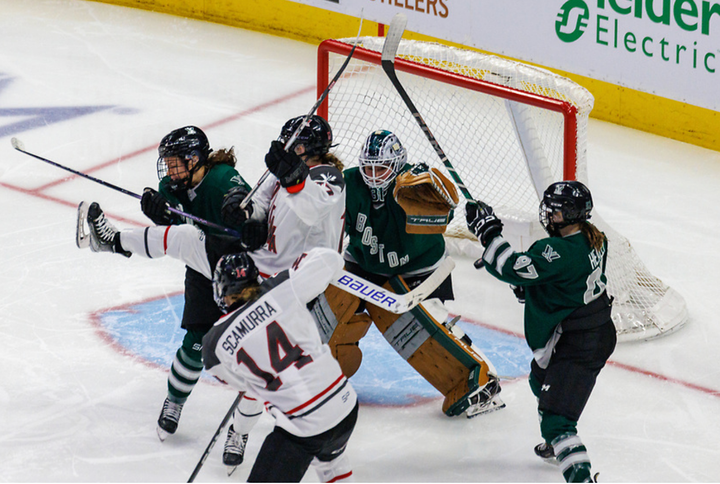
(246, 415)
(336, 470)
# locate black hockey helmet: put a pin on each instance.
(183, 143)
(316, 136)
(233, 273)
(571, 198)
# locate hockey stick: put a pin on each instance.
(386, 299)
(18, 145)
(392, 42)
(210, 446)
(306, 119)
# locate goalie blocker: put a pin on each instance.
(441, 353)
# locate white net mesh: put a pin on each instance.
(506, 152)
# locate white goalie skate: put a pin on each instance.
(485, 399)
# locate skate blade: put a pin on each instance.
(230, 470)
(495, 404)
(82, 237)
(162, 434)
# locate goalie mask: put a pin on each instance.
(381, 160)
(177, 150)
(233, 273)
(571, 199)
(316, 137)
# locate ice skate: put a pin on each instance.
(100, 235)
(234, 450)
(546, 453)
(169, 418)
(485, 399)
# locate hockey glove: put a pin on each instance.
(427, 197)
(231, 212)
(482, 222)
(287, 166)
(519, 292)
(155, 207)
(254, 235)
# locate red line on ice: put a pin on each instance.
(634, 369)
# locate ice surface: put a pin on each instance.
(95, 87)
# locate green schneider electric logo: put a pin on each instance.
(693, 16)
(572, 20)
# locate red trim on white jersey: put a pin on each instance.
(341, 477)
(300, 407)
(165, 239)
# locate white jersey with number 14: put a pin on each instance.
(271, 347)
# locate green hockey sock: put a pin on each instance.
(572, 458)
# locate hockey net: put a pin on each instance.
(509, 129)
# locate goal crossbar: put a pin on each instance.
(566, 109)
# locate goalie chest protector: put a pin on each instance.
(379, 242)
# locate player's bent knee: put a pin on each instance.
(341, 328)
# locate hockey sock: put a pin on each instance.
(572, 458)
(553, 425)
(186, 368)
(247, 414)
(336, 470)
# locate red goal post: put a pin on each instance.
(509, 130)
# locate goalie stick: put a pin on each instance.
(388, 300)
(210, 446)
(390, 47)
(306, 119)
(18, 145)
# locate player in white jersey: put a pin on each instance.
(269, 347)
(304, 419)
(300, 213)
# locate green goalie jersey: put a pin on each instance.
(378, 240)
(560, 275)
(205, 200)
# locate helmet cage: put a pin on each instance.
(571, 198)
(381, 160)
(233, 273)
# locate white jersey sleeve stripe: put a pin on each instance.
(165, 239)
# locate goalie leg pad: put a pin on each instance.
(446, 361)
(342, 328)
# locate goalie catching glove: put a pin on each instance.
(427, 197)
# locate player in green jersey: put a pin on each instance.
(568, 326)
(195, 179)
